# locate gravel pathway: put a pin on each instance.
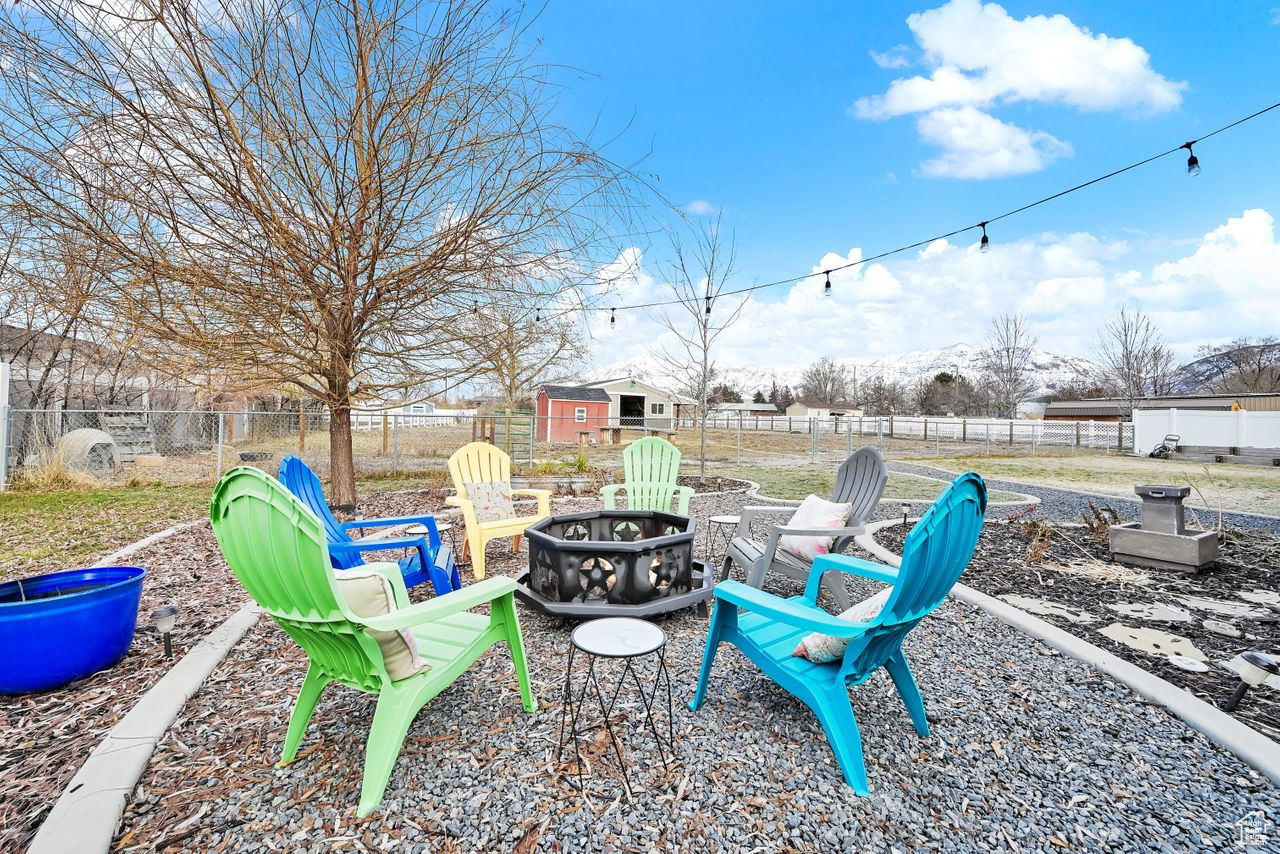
(1067, 505)
(1030, 752)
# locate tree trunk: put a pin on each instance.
(342, 472)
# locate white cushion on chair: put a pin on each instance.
(491, 500)
(820, 648)
(369, 594)
(814, 512)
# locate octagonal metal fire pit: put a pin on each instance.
(613, 563)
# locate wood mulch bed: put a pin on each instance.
(47, 736)
(1071, 565)
(712, 483)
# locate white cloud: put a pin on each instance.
(1226, 285)
(982, 58)
(976, 145)
(701, 207)
(895, 58)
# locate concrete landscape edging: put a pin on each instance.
(1249, 745)
(115, 557)
(1025, 499)
(86, 814)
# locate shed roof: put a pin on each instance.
(576, 392)
(814, 403)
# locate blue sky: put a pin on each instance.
(788, 120)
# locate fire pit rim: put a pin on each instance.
(537, 531)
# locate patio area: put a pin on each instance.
(1030, 751)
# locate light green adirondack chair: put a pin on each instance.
(649, 467)
(277, 549)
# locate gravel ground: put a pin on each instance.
(1030, 751)
(1067, 505)
(1074, 570)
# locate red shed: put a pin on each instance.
(566, 410)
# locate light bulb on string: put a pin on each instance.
(826, 290)
(1193, 162)
(537, 316)
(475, 307)
(984, 245)
(613, 318)
(708, 306)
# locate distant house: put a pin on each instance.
(564, 411)
(752, 409)
(369, 415)
(808, 407)
(1117, 409)
(52, 371)
(635, 403)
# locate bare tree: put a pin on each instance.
(1134, 359)
(883, 397)
(1006, 361)
(520, 349)
(826, 382)
(311, 196)
(697, 277)
(1242, 365)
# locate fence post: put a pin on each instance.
(222, 433)
(386, 432)
(890, 426)
(964, 430)
(813, 440)
(302, 426)
(4, 425)
(1011, 432)
(395, 444)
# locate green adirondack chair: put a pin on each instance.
(649, 467)
(277, 549)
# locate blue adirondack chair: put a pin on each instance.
(431, 561)
(767, 628)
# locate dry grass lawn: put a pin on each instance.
(1252, 489)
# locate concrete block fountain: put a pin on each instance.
(1161, 538)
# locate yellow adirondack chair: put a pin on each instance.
(480, 462)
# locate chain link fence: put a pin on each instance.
(190, 447)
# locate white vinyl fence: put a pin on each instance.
(1241, 429)
(1099, 435)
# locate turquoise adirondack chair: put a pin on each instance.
(276, 547)
(431, 559)
(767, 628)
(650, 466)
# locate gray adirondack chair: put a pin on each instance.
(859, 482)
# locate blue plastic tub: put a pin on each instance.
(63, 626)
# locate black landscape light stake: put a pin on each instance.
(165, 617)
(905, 508)
(1256, 670)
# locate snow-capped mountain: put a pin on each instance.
(1050, 369)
